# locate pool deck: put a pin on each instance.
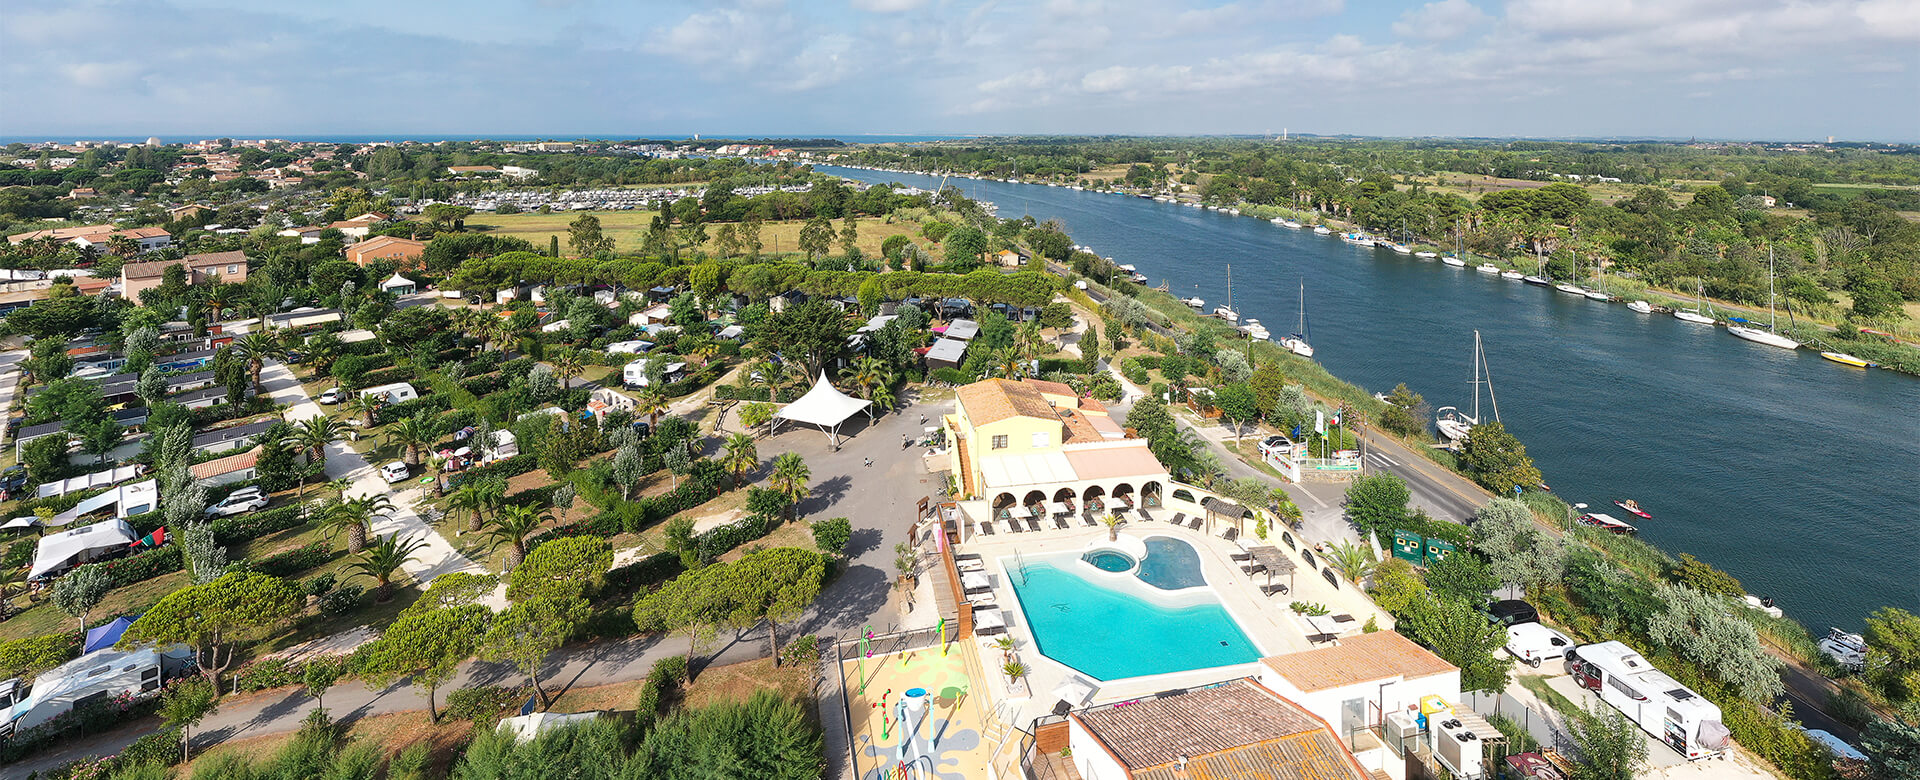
(1265, 619)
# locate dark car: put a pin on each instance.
(13, 478)
(1512, 611)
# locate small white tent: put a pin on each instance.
(80, 545)
(824, 406)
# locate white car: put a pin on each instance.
(1534, 643)
(331, 395)
(242, 500)
(394, 472)
(1274, 443)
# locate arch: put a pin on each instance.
(1288, 538)
(1150, 495)
(1093, 498)
(1034, 498)
(1183, 494)
(1123, 494)
(1331, 579)
(1066, 495)
(1003, 506)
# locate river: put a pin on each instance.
(1797, 475)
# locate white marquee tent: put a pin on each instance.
(824, 406)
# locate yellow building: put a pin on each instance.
(1034, 449)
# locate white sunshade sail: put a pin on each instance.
(825, 406)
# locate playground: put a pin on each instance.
(917, 714)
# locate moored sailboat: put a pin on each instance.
(1768, 337)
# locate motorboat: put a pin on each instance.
(1633, 508)
(1844, 358)
(1487, 268)
(1769, 336)
(1512, 275)
(1288, 223)
(1454, 261)
(1640, 306)
(1570, 288)
(1692, 316)
(1539, 280)
(1845, 648)
(1322, 229)
(1596, 295)
(1608, 523)
(1764, 605)
(1357, 239)
(1254, 329)
(1226, 313)
(1400, 248)
(1195, 303)
(1424, 255)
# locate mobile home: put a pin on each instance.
(635, 373)
(93, 677)
(393, 393)
(1661, 706)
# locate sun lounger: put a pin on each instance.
(1179, 518)
(1144, 516)
(1231, 534)
(986, 529)
(1060, 523)
(1090, 520)
(1195, 522)
(1268, 590)
(989, 621)
(1239, 556)
(1032, 524)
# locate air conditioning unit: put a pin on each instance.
(1400, 727)
(1459, 749)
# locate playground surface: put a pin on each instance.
(918, 714)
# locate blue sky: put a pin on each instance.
(1786, 69)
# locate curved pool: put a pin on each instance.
(1109, 560)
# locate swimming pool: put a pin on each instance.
(1112, 626)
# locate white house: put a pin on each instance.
(635, 373)
(1367, 677)
(556, 326)
(657, 314)
(606, 400)
(227, 470)
(394, 393)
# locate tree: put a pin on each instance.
(1462, 575)
(816, 237)
(1518, 551)
(790, 476)
(695, 603)
(205, 559)
(426, 646)
(813, 333)
(741, 456)
(1875, 298)
(1610, 746)
(355, 517)
(1497, 460)
(511, 527)
(629, 467)
(1377, 504)
(383, 559)
(99, 437)
(568, 567)
(152, 387)
(1406, 412)
(1354, 562)
(365, 405)
(312, 435)
(1237, 405)
(1894, 744)
(774, 585)
(184, 704)
(527, 632)
(318, 675)
(1458, 633)
(80, 590)
(965, 246)
(1702, 576)
(413, 434)
(850, 236)
(48, 360)
(1703, 629)
(584, 236)
(756, 414)
(1893, 651)
(832, 535)
(680, 540)
(215, 617)
(256, 348)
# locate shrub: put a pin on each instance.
(268, 673)
(802, 650)
(340, 600)
(483, 704)
(287, 563)
(831, 536)
(717, 541)
(511, 467)
(161, 748)
(140, 567)
(35, 654)
(253, 525)
(646, 572)
(435, 403)
(1308, 608)
(669, 672)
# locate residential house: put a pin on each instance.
(657, 314)
(308, 234)
(403, 253)
(1363, 679)
(188, 211)
(230, 469)
(148, 238)
(303, 317)
(947, 353)
(352, 229)
(1008, 258)
(137, 278)
(81, 193)
(1234, 729)
(230, 438)
(517, 172)
(606, 400)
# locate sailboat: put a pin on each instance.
(1455, 425)
(1768, 336)
(1693, 315)
(1226, 312)
(1297, 343)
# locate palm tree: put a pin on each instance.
(366, 405)
(706, 351)
(651, 403)
(217, 298)
(566, 366)
(883, 398)
(1028, 340)
(867, 373)
(741, 456)
(1112, 521)
(511, 526)
(790, 475)
(470, 497)
(1351, 560)
(339, 487)
(355, 516)
(382, 560)
(413, 433)
(1007, 363)
(499, 331)
(313, 434)
(321, 351)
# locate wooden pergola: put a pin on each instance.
(1274, 561)
(1225, 509)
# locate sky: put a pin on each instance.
(1743, 69)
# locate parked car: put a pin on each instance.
(1534, 643)
(242, 500)
(394, 472)
(331, 395)
(1271, 443)
(13, 478)
(1511, 611)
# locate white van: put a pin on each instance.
(1535, 644)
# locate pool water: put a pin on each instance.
(1108, 560)
(1110, 635)
(1171, 564)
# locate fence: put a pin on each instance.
(879, 645)
(1544, 729)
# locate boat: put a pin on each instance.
(1454, 261)
(1487, 268)
(1693, 315)
(1226, 312)
(1768, 337)
(1596, 295)
(1322, 229)
(1608, 523)
(1357, 239)
(1539, 280)
(1288, 223)
(1846, 648)
(1842, 357)
(1570, 288)
(1254, 329)
(1764, 605)
(1454, 424)
(1195, 303)
(1633, 508)
(1424, 255)
(1640, 306)
(1297, 343)
(1403, 249)
(1512, 275)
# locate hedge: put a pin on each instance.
(253, 525)
(427, 403)
(143, 566)
(511, 467)
(290, 562)
(540, 496)
(719, 540)
(646, 572)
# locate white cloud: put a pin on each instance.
(888, 6)
(100, 75)
(1444, 20)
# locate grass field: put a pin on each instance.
(628, 230)
(1472, 186)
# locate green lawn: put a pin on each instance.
(628, 230)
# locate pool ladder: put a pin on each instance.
(1020, 566)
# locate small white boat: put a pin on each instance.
(1254, 329)
(1845, 648)
(1195, 303)
(1766, 337)
(1596, 295)
(1402, 249)
(1764, 605)
(1453, 423)
(1487, 268)
(1356, 239)
(1512, 275)
(1322, 229)
(1454, 261)
(1570, 288)
(1692, 316)
(1426, 255)
(1641, 306)
(1290, 224)
(1277, 221)
(1226, 313)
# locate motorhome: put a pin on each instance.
(1661, 706)
(94, 677)
(394, 393)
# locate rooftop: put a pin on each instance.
(993, 400)
(1236, 729)
(226, 465)
(1364, 658)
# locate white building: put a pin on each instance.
(1357, 683)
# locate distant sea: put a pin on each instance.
(363, 138)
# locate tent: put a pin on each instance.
(525, 727)
(824, 406)
(399, 285)
(103, 637)
(80, 545)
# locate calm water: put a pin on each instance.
(1799, 476)
(1111, 635)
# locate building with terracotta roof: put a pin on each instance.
(403, 253)
(148, 238)
(232, 468)
(1026, 443)
(1237, 729)
(1374, 674)
(137, 278)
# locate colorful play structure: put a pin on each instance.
(915, 719)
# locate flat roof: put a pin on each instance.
(1365, 658)
(1120, 461)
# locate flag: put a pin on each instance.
(1296, 433)
(1319, 422)
(1336, 419)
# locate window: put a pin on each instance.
(1614, 682)
(1040, 438)
(1000, 442)
(233, 269)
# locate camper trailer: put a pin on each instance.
(1661, 706)
(93, 677)
(394, 393)
(635, 373)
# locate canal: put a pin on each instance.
(1797, 475)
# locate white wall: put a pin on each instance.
(1090, 758)
(1396, 694)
